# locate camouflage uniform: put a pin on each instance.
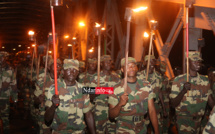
(210, 127)
(39, 91)
(155, 81)
(69, 115)
(85, 78)
(131, 116)
(192, 107)
(8, 88)
(101, 117)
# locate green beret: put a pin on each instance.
(4, 54)
(105, 57)
(194, 56)
(70, 63)
(92, 60)
(130, 60)
(81, 64)
(147, 57)
(51, 61)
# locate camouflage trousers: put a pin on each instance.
(102, 122)
(188, 124)
(42, 126)
(130, 127)
(4, 115)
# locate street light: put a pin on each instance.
(145, 34)
(33, 45)
(69, 45)
(19, 45)
(29, 47)
(66, 36)
(3, 47)
(14, 49)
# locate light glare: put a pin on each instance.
(140, 9)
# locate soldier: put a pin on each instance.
(8, 88)
(210, 126)
(42, 91)
(66, 112)
(130, 105)
(165, 89)
(108, 78)
(211, 78)
(86, 77)
(155, 79)
(190, 98)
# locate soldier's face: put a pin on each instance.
(106, 65)
(195, 65)
(70, 74)
(2, 60)
(151, 65)
(132, 69)
(92, 66)
(52, 70)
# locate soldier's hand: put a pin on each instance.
(55, 100)
(123, 99)
(187, 86)
(42, 98)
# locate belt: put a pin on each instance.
(132, 118)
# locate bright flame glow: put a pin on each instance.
(153, 21)
(102, 28)
(140, 9)
(33, 45)
(3, 47)
(31, 32)
(91, 50)
(28, 52)
(28, 47)
(50, 52)
(14, 49)
(74, 38)
(69, 45)
(97, 25)
(19, 45)
(50, 33)
(66, 36)
(146, 35)
(81, 24)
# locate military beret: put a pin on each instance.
(82, 64)
(130, 60)
(147, 57)
(105, 57)
(194, 56)
(92, 60)
(70, 63)
(4, 54)
(51, 61)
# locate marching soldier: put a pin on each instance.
(130, 105)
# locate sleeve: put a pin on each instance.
(48, 102)
(87, 105)
(13, 85)
(151, 93)
(175, 90)
(210, 126)
(113, 99)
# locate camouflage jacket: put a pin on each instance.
(155, 80)
(105, 81)
(137, 104)
(8, 87)
(195, 100)
(85, 78)
(69, 115)
(210, 126)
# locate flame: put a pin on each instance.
(146, 35)
(153, 21)
(140, 9)
(97, 25)
(81, 24)
(50, 52)
(102, 28)
(66, 36)
(69, 45)
(74, 38)
(33, 45)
